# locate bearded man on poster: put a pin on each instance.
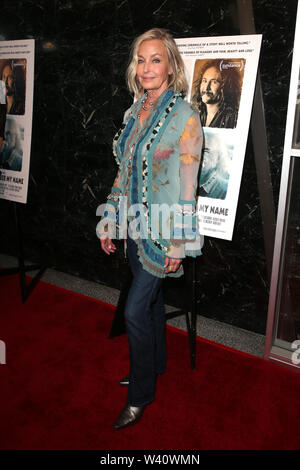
(216, 96)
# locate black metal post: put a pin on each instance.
(26, 289)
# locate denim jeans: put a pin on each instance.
(145, 326)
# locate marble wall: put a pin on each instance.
(79, 99)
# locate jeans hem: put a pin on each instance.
(141, 404)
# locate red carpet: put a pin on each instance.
(59, 386)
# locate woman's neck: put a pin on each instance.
(153, 95)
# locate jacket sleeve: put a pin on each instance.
(108, 225)
(185, 220)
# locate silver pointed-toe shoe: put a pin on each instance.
(129, 415)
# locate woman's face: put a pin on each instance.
(153, 68)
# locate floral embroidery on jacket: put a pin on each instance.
(191, 130)
(160, 154)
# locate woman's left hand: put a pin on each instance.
(171, 264)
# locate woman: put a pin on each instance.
(158, 152)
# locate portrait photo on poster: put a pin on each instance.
(216, 91)
(13, 85)
(11, 154)
(296, 134)
(215, 168)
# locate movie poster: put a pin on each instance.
(16, 100)
(222, 74)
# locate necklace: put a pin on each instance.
(150, 104)
(144, 106)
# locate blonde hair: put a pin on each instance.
(177, 80)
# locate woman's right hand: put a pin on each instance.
(107, 245)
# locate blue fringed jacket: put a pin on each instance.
(154, 192)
